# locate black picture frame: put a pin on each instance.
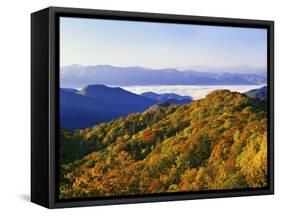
(45, 104)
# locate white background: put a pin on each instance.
(15, 106)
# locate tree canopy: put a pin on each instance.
(219, 142)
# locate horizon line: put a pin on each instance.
(179, 68)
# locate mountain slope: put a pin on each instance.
(98, 103)
(260, 93)
(78, 111)
(219, 142)
(123, 101)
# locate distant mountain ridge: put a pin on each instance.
(168, 98)
(243, 69)
(77, 76)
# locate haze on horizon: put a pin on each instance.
(160, 45)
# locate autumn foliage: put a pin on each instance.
(219, 142)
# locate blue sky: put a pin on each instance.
(158, 45)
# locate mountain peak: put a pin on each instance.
(223, 95)
(101, 90)
(220, 92)
(94, 86)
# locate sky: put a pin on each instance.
(159, 45)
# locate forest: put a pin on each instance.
(218, 142)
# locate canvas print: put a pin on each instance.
(153, 108)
